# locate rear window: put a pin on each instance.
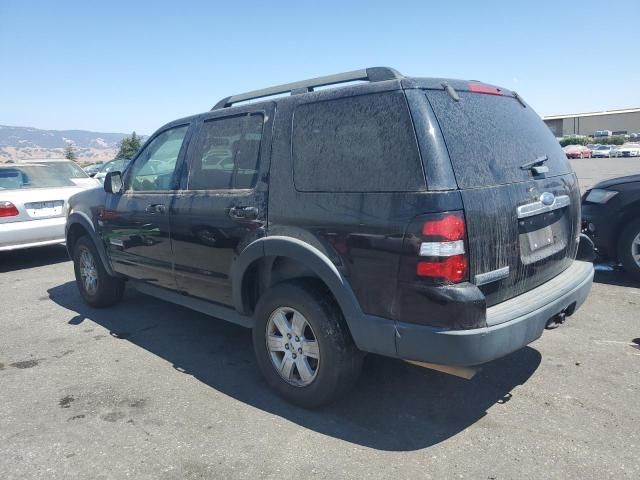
(32, 176)
(356, 144)
(66, 169)
(490, 136)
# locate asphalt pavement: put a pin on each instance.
(149, 390)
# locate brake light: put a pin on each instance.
(452, 269)
(482, 88)
(442, 254)
(8, 209)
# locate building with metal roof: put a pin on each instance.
(619, 122)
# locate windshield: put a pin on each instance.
(490, 136)
(66, 169)
(31, 176)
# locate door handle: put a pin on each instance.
(248, 213)
(156, 208)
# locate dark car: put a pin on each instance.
(424, 219)
(611, 217)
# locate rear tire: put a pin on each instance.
(629, 249)
(97, 287)
(302, 344)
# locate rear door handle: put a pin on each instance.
(249, 213)
(156, 208)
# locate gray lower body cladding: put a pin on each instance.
(511, 325)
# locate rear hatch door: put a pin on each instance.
(522, 223)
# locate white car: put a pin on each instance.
(627, 150)
(602, 151)
(33, 204)
(68, 169)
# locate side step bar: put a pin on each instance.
(202, 306)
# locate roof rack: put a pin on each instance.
(373, 74)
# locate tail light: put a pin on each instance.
(8, 209)
(435, 249)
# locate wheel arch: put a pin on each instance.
(269, 250)
(78, 225)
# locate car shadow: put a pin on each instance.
(613, 275)
(32, 257)
(394, 406)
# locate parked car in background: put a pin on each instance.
(577, 151)
(627, 150)
(602, 133)
(611, 217)
(118, 165)
(361, 218)
(92, 169)
(67, 169)
(33, 200)
(592, 146)
(602, 151)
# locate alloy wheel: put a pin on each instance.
(88, 272)
(292, 346)
(635, 249)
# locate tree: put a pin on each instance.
(129, 146)
(70, 152)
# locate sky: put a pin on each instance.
(120, 66)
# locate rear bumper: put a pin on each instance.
(32, 233)
(512, 324)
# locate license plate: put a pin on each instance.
(540, 238)
(50, 208)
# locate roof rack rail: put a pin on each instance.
(373, 74)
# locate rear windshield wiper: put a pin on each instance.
(536, 166)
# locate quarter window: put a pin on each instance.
(226, 154)
(153, 168)
(356, 144)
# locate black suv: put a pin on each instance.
(425, 219)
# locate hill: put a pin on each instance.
(26, 142)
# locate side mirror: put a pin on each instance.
(113, 182)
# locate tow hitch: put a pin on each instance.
(556, 321)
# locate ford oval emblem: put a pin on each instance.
(547, 198)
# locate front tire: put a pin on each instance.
(629, 249)
(302, 344)
(97, 287)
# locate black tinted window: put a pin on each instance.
(226, 153)
(356, 144)
(490, 136)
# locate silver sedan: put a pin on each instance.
(33, 202)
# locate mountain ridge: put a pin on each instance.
(18, 142)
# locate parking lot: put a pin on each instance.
(151, 390)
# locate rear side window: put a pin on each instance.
(226, 153)
(489, 137)
(356, 144)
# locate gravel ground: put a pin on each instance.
(148, 390)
